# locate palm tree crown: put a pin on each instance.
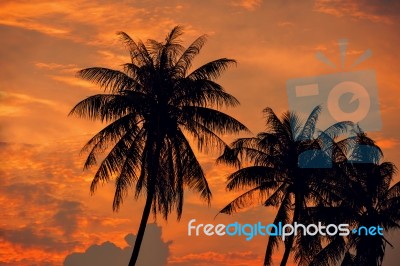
(151, 106)
(366, 200)
(286, 168)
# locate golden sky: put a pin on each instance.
(47, 211)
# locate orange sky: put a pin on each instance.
(47, 211)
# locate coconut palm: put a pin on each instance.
(151, 107)
(367, 200)
(285, 167)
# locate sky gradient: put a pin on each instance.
(47, 210)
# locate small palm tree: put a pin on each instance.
(151, 106)
(285, 168)
(367, 200)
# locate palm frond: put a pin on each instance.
(137, 50)
(229, 157)
(246, 199)
(108, 79)
(111, 164)
(310, 124)
(273, 123)
(192, 171)
(129, 169)
(108, 136)
(277, 197)
(103, 107)
(212, 70)
(185, 61)
(214, 120)
(202, 92)
(250, 177)
(331, 254)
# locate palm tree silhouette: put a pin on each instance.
(151, 106)
(288, 168)
(367, 200)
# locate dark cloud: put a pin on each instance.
(105, 254)
(27, 263)
(154, 251)
(47, 219)
(32, 199)
(28, 237)
(383, 7)
(38, 193)
(67, 215)
(374, 10)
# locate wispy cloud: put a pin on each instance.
(387, 143)
(372, 10)
(54, 66)
(23, 98)
(285, 24)
(74, 81)
(16, 104)
(82, 21)
(217, 259)
(247, 4)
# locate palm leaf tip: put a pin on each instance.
(176, 32)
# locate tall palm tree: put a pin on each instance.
(367, 200)
(151, 107)
(285, 166)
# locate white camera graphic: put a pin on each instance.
(345, 96)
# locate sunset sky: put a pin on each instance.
(47, 210)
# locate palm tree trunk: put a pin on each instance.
(153, 172)
(142, 229)
(289, 242)
(288, 247)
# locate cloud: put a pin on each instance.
(46, 221)
(154, 251)
(28, 237)
(17, 104)
(66, 73)
(372, 10)
(44, 199)
(84, 21)
(74, 81)
(285, 24)
(105, 254)
(248, 4)
(217, 259)
(40, 219)
(387, 143)
(70, 68)
(67, 216)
